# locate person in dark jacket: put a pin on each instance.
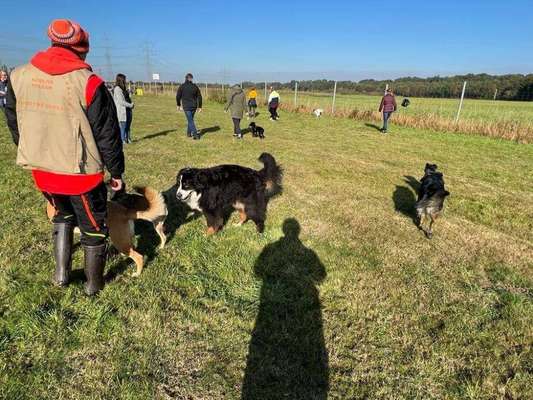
(3, 89)
(48, 100)
(189, 99)
(387, 106)
(237, 105)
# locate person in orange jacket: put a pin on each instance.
(64, 122)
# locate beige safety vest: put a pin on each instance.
(55, 134)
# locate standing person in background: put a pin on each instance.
(273, 104)
(129, 114)
(121, 96)
(66, 131)
(387, 106)
(237, 105)
(3, 89)
(189, 99)
(252, 102)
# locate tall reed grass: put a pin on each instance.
(515, 131)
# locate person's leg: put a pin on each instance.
(123, 131)
(129, 119)
(237, 127)
(385, 120)
(191, 127)
(188, 115)
(194, 132)
(272, 113)
(91, 213)
(63, 227)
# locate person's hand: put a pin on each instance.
(116, 184)
(178, 108)
(199, 110)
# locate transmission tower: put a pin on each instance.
(108, 67)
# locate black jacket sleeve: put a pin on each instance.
(11, 113)
(199, 97)
(102, 116)
(178, 96)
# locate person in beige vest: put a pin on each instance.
(64, 123)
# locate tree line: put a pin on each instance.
(479, 86)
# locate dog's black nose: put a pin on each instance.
(178, 195)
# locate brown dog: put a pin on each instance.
(147, 204)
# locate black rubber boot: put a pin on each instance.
(95, 258)
(62, 235)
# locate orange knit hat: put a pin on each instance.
(70, 34)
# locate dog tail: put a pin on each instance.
(151, 207)
(272, 174)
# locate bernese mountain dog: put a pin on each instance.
(431, 195)
(213, 191)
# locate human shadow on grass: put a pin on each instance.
(155, 135)
(210, 129)
(404, 198)
(376, 127)
(287, 356)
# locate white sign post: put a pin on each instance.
(155, 78)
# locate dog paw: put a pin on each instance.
(136, 274)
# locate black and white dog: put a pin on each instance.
(431, 195)
(215, 190)
(257, 131)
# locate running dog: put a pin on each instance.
(257, 131)
(214, 190)
(147, 204)
(431, 195)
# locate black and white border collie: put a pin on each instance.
(431, 195)
(213, 191)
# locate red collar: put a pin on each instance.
(58, 61)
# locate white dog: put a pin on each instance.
(318, 112)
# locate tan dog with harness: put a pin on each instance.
(147, 204)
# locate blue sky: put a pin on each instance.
(282, 40)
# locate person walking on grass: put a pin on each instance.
(64, 122)
(237, 105)
(252, 102)
(387, 106)
(273, 104)
(3, 89)
(189, 99)
(123, 104)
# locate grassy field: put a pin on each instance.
(341, 297)
(473, 109)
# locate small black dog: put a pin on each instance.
(431, 195)
(257, 131)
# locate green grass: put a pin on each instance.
(360, 305)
